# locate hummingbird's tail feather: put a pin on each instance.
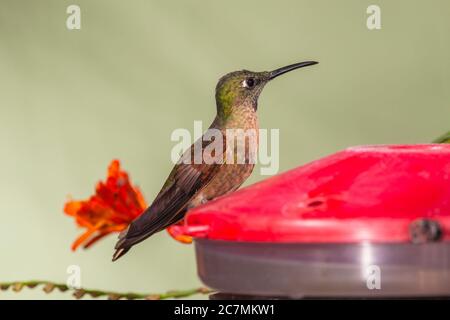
(120, 248)
(149, 223)
(119, 253)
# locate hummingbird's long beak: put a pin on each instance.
(283, 70)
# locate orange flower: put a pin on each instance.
(111, 209)
(173, 231)
(115, 204)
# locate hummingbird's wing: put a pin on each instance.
(443, 139)
(183, 183)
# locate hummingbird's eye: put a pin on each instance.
(248, 83)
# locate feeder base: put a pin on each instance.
(325, 270)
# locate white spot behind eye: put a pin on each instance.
(248, 83)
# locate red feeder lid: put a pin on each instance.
(366, 193)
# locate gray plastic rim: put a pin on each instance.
(325, 270)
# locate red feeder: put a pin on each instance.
(370, 220)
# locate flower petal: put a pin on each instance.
(175, 234)
(115, 204)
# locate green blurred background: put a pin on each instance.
(73, 100)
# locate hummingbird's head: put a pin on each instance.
(242, 88)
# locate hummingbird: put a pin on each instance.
(192, 184)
